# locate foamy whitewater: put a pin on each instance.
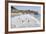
(26, 20)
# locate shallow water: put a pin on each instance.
(22, 21)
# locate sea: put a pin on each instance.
(25, 21)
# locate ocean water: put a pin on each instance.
(25, 21)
